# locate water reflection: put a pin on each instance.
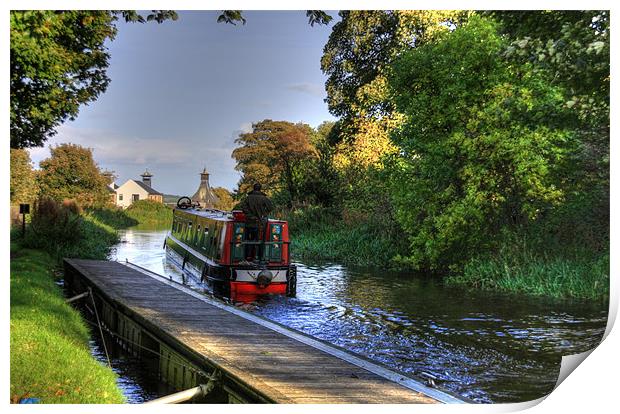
(487, 347)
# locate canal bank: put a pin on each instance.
(51, 343)
(50, 355)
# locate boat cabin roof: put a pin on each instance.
(212, 214)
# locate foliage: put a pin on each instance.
(317, 177)
(572, 48)
(70, 172)
(318, 17)
(324, 234)
(519, 268)
(150, 212)
(225, 200)
(363, 44)
(50, 358)
(480, 147)
(63, 231)
(271, 155)
(113, 217)
(58, 61)
(356, 60)
(23, 185)
(53, 226)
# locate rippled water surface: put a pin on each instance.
(487, 347)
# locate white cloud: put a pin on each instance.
(309, 88)
(175, 162)
(111, 148)
(245, 127)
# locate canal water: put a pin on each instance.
(484, 346)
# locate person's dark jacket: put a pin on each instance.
(256, 206)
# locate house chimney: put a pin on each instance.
(109, 176)
(146, 177)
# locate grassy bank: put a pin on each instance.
(90, 239)
(546, 267)
(581, 276)
(50, 358)
(319, 234)
(144, 213)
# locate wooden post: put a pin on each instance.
(23, 210)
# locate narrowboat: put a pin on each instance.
(211, 245)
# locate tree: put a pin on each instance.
(59, 62)
(572, 49)
(361, 47)
(480, 147)
(225, 200)
(23, 184)
(271, 154)
(71, 173)
(357, 60)
(317, 179)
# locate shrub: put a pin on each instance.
(53, 225)
(63, 231)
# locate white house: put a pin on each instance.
(134, 190)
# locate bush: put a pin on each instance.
(319, 233)
(63, 231)
(53, 226)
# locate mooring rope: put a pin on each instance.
(105, 348)
(180, 364)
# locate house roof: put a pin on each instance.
(147, 188)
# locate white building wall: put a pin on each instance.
(124, 193)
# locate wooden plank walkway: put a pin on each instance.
(283, 365)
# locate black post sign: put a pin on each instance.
(23, 210)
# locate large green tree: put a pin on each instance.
(71, 173)
(356, 60)
(481, 145)
(573, 49)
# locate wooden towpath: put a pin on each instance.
(275, 363)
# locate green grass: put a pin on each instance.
(150, 213)
(144, 213)
(115, 218)
(319, 234)
(355, 245)
(50, 358)
(584, 276)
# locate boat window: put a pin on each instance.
(205, 238)
(220, 246)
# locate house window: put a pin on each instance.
(120, 197)
(135, 197)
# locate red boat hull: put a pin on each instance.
(245, 291)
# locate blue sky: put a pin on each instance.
(182, 91)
